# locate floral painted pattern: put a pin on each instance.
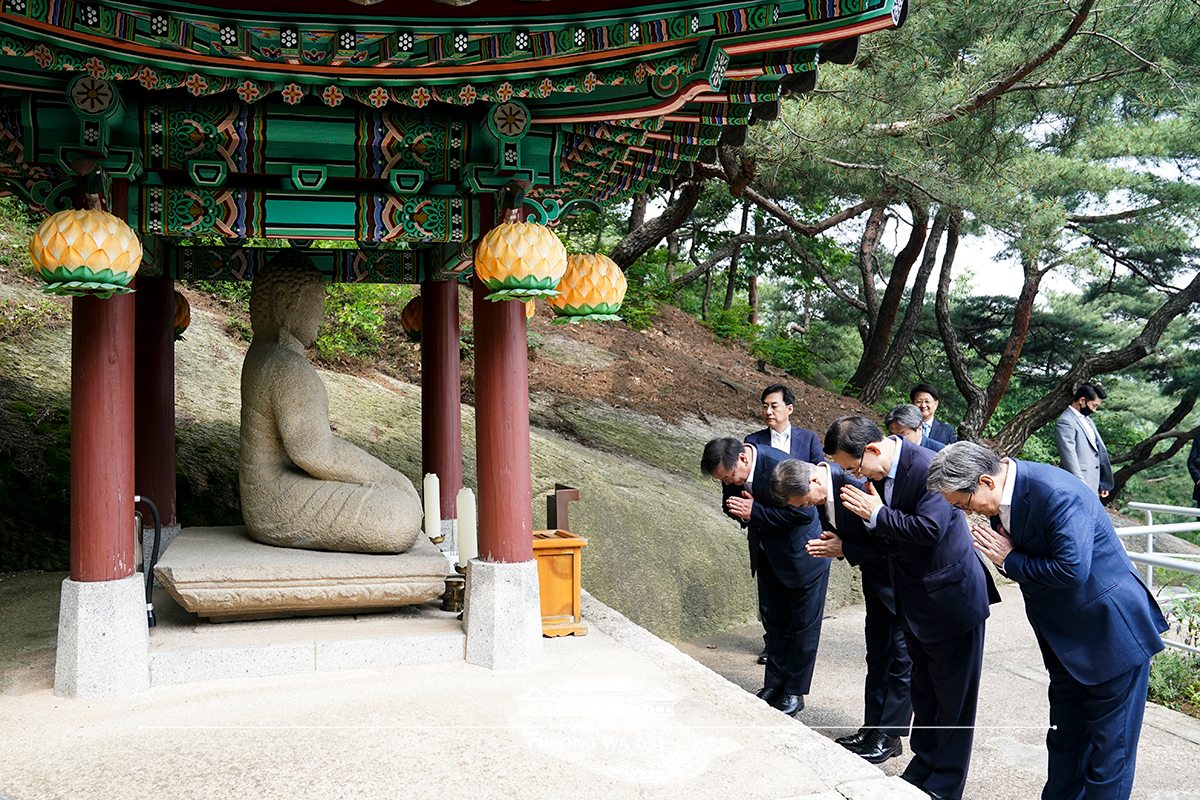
(379, 97)
(467, 95)
(292, 94)
(545, 87)
(147, 77)
(421, 97)
(248, 91)
(95, 67)
(504, 92)
(196, 84)
(332, 96)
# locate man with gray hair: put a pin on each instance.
(1095, 622)
(887, 704)
(905, 420)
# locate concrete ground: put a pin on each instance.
(1009, 757)
(615, 714)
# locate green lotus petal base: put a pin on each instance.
(563, 319)
(521, 294)
(85, 288)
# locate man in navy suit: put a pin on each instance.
(905, 421)
(942, 594)
(791, 583)
(778, 402)
(887, 708)
(1095, 621)
(927, 398)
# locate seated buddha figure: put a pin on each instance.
(302, 486)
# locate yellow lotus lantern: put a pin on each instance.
(410, 319)
(592, 288)
(183, 315)
(520, 261)
(79, 252)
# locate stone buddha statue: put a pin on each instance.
(302, 486)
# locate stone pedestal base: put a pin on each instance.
(503, 615)
(103, 639)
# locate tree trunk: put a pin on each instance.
(708, 283)
(752, 294)
(731, 286)
(1142, 456)
(879, 333)
(651, 232)
(878, 380)
(954, 356)
(868, 261)
(1018, 430)
(637, 214)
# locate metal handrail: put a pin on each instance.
(1176, 562)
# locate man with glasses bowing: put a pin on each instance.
(942, 593)
(1096, 623)
(791, 583)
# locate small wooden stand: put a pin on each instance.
(558, 564)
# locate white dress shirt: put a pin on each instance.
(1089, 427)
(782, 441)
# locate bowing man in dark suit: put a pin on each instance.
(1095, 621)
(905, 421)
(927, 398)
(942, 594)
(791, 583)
(778, 402)
(887, 708)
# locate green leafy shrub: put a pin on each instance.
(1175, 674)
(791, 355)
(355, 317)
(20, 318)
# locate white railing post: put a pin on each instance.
(1150, 549)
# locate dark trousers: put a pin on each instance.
(1094, 730)
(887, 704)
(791, 616)
(945, 692)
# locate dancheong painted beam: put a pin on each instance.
(387, 122)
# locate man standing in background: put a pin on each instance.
(1080, 448)
(778, 402)
(927, 398)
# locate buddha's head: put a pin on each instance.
(288, 294)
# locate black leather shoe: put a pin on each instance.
(879, 747)
(762, 657)
(789, 704)
(934, 795)
(854, 740)
(767, 694)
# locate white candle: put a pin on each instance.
(433, 506)
(468, 541)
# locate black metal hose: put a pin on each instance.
(149, 564)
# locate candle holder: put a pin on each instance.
(456, 591)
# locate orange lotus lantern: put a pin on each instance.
(410, 319)
(520, 261)
(592, 288)
(80, 252)
(529, 310)
(183, 315)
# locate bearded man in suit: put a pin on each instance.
(1095, 622)
(887, 707)
(1080, 448)
(791, 583)
(942, 592)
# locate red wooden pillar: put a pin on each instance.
(441, 399)
(154, 404)
(502, 429)
(102, 350)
